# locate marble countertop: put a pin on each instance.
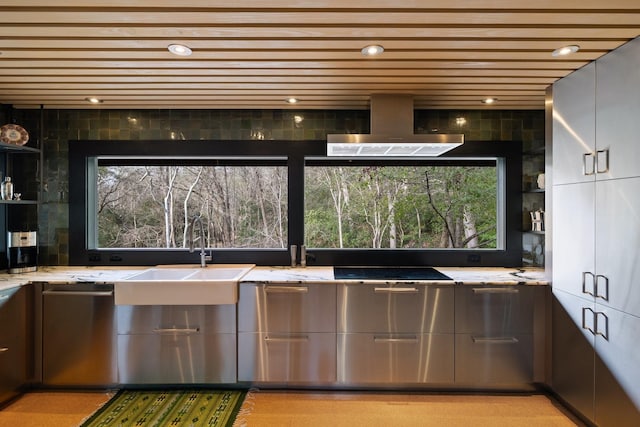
(459, 275)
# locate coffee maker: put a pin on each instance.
(23, 251)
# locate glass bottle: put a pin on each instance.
(7, 189)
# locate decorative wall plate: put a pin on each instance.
(13, 134)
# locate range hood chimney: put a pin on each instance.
(392, 133)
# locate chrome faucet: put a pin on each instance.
(203, 254)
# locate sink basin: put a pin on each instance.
(182, 285)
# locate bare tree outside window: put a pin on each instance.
(150, 206)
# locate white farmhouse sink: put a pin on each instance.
(182, 285)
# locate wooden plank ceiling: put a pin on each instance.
(450, 54)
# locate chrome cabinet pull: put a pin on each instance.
(588, 169)
(80, 293)
(286, 339)
(584, 283)
(584, 322)
(286, 289)
(603, 332)
(395, 290)
(503, 290)
(604, 296)
(605, 161)
(395, 340)
(4, 349)
(494, 340)
(176, 330)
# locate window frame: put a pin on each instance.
(295, 154)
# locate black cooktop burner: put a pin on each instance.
(388, 273)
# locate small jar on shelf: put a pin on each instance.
(6, 189)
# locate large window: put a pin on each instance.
(130, 203)
(417, 206)
(147, 206)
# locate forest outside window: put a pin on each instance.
(415, 206)
(148, 205)
(259, 200)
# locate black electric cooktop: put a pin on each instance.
(388, 273)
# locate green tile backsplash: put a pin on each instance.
(60, 126)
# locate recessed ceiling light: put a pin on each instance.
(291, 100)
(94, 100)
(566, 50)
(179, 49)
(372, 50)
(490, 100)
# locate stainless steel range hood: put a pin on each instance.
(392, 133)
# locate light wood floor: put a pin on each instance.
(311, 409)
(315, 409)
(52, 409)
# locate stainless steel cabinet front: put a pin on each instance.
(176, 358)
(140, 319)
(494, 361)
(417, 309)
(13, 336)
(178, 344)
(494, 310)
(287, 308)
(398, 359)
(287, 358)
(495, 330)
(79, 340)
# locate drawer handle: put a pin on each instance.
(176, 330)
(584, 320)
(504, 290)
(396, 340)
(286, 339)
(604, 330)
(599, 161)
(4, 349)
(592, 277)
(605, 295)
(287, 289)
(80, 293)
(505, 340)
(588, 168)
(395, 290)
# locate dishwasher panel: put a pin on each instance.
(79, 340)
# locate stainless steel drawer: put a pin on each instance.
(395, 359)
(287, 308)
(173, 358)
(287, 358)
(145, 319)
(415, 309)
(505, 361)
(495, 310)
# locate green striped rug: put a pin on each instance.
(176, 408)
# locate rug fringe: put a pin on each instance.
(246, 409)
